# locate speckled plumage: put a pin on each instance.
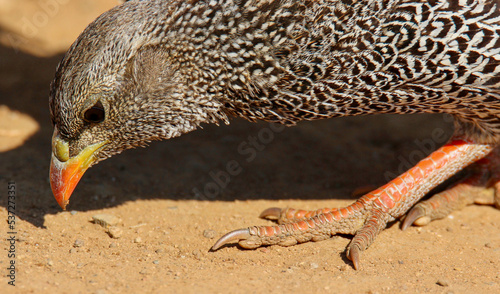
(160, 68)
(284, 61)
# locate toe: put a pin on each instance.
(353, 255)
(416, 216)
(231, 237)
(272, 213)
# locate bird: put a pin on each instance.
(154, 70)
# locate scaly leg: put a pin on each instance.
(370, 214)
(482, 186)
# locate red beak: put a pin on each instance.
(66, 172)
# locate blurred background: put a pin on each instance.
(45, 28)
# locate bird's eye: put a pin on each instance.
(94, 114)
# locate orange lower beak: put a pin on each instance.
(66, 172)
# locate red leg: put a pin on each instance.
(369, 215)
(480, 187)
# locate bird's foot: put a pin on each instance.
(299, 226)
(370, 214)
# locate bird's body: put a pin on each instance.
(159, 69)
(287, 61)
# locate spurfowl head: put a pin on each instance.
(118, 88)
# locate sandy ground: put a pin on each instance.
(167, 228)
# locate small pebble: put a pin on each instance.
(488, 245)
(443, 282)
(78, 243)
(50, 262)
(105, 220)
(80, 265)
(401, 262)
(138, 240)
(160, 250)
(210, 234)
(197, 254)
(156, 262)
(73, 212)
(314, 265)
(112, 245)
(72, 250)
(115, 232)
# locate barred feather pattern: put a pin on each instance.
(287, 61)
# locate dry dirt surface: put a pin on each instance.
(169, 210)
